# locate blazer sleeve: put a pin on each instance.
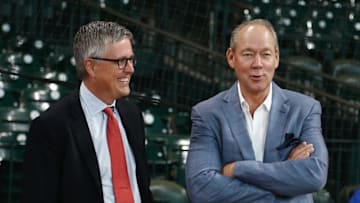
(41, 164)
(292, 177)
(204, 180)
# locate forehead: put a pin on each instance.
(119, 48)
(255, 37)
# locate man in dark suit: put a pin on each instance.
(67, 158)
(256, 142)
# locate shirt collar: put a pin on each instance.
(266, 103)
(93, 104)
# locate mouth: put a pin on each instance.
(124, 80)
(256, 76)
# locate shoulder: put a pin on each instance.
(298, 98)
(55, 120)
(125, 103)
(292, 97)
(296, 102)
(128, 110)
(127, 107)
(215, 104)
(62, 108)
(212, 102)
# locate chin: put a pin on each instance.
(124, 93)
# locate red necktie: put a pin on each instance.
(120, 177)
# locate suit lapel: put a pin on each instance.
(131, 136)
(237, 122)
(277, 124)
(83, 139)
(124, 114)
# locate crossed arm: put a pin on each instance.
(304, 171)
(302, 151)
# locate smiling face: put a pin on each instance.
(254, 59)
(104, 78)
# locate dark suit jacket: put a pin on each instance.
(60, 163)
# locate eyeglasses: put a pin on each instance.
(121, 62)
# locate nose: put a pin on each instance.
(129, 67)
(257, 61)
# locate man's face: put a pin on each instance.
(254, 59)
(108, 81)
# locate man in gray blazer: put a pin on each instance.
(256, 142)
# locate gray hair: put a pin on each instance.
(262, 22)
(92, 38)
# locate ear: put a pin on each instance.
(230, 57)
(277, 58)
(89, 67)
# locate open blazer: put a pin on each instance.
(60, 163)
(219, 136)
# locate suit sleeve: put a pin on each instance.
(292, 177)
(41, 166)
(204, 180)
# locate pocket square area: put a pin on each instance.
(290, 140)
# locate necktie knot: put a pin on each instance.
(108, 111)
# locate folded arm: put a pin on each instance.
(205, 181)
(291, 177)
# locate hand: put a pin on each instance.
(228, 170)
(301, 151)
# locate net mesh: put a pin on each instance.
(180, 49)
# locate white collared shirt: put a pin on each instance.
(96, 120)
(257, 125)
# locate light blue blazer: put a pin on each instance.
(219, 136)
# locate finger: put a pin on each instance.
(309, 148)
(301, 151)
(305, 152)
(298, 150)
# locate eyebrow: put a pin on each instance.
(252, 50)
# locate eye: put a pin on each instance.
(247, 54)
(267, 54)
(122, 61)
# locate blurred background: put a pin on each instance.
(180, 49)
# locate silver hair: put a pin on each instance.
(92, 38)
(262, 22)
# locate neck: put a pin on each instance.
(98, 93)
(255, 100)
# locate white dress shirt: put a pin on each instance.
(96, 120)
(257, 125)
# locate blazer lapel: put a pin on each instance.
(83, 139)
(237, 122)
(123, 111)
(131, 136)
(277, 125)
